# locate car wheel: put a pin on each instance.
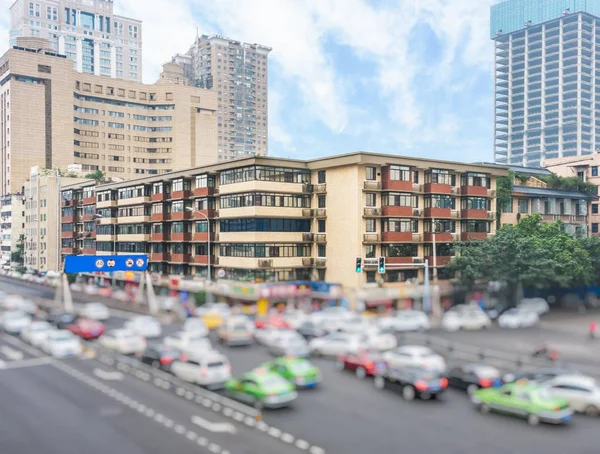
(591, 410)
(483, 408)
(339, 365)
(533, 420)
(471, 389)
(408, 393)
(156, 364)
(379, 382)
(361, 372)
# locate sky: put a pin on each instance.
(406, 77)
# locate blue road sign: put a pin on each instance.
(105, 263)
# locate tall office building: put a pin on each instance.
(547, 96)
(86, 31)
(238, 73)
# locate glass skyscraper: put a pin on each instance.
(547, 94)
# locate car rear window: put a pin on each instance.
(242, 327)
(215, 364)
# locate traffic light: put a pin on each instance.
(358, 264)
(381, 265)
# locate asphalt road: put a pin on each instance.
(349, 416)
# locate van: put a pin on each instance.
(236, 330)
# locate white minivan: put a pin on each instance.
(237, 330)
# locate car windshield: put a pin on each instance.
(273, 381)
(62, 337)
(14, 315)
(487, 372)
(199, 342)
(40, 327)
(300, 367)
(543, 394)
(215, 364)
(241, 327)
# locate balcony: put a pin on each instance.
(89, 201)
(321, 263)
(181, 194)
(466, 236)
(480, 191)
(67, 250)
(180, 258)
(308, 261)
(157, 217)
(440, 237)
(181, 237)
(437, 188)
(440, 260)
(399, 237)
(438, 212)
(69, 203)
(160, 237)
(397, 211)
(202, 237)
(320, 188)
(308, 237)
(181, 215)
(105, 238)
(320, 238)
(67, 219)
(397, 185)
(67, 234)
(321, 213)
(134, 201)
(474, 214)
(370, 238)
(205, 192)
(106, 204)
(372, 212)
(203, 260)
(307, 213)
(566, 218)
(398, 260)
(87, 217)
(370, 185)
(160, 197)
(159, 257)
(90, 251)
(207, 213)
(265, 263)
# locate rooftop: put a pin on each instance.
(548, 192)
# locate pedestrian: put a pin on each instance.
(593, 329)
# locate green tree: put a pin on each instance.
(592, 246)
(531, 254)
(504, 186)
(98, 175)
(18, 255)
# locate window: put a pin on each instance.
(399, 250)
(594, 227)
(181, 185)
(371, 173)
(476, 203)
(440, 201)
(399, 173)
(265, 199)
(321, 201)
(594, 208)
(321, 177)
(523, 206)
(321, 250)
(400, 199)
(475, 179)
(265, 173)
(399, 225)
(594, 171)
(371, 199)
(370, 225)
(321, 226)
(439, 176)
(205, 181)
(265, 225)
(370, 251)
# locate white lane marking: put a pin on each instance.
(274, 432)
(316, 450)
(2, 364)
(202, 441)
(32, 362)
(108, 376)
(288, 438)
(250, 421)
(219, 427)
(214, 448)
(302, 444)
(20, 344)
(191, 435)
(180, 429)
(11, 353)
(262, 426)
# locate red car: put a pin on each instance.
(273, 321)
(364, 363)
(86, 328)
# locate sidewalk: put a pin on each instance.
(571, 323)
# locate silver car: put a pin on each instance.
(289, 344)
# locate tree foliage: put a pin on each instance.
(504, 187)
(98, 175)
(569, 184)
(532, 254)
(18, 255)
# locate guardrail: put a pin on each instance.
(497, 358)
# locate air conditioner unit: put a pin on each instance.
(417, 212)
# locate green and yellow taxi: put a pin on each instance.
(300, 371)
(525, 400)
(261, 388)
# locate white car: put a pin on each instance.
(408, 320)
(196, 326)
(91, 289)
(472, 318)
(121, 295)
(582, 393)
(518, 318)
(294, 318)
(537, 305)
(355, 325)
(337, 343)
(266, 336)
(377, 340)
(236, 330)
(12, 302)
(61, 343)
(95, 311)
(75, 287)
(14, 321)
(331, 320)
(188, 342)
(123, 341)
(36, 332)
(415, 356)
(210, 369)
(145, 326)
(290, 345)
(223, 309)
(27, 306)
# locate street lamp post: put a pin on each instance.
(208, 240)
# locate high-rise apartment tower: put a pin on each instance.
(547, 95)
(238, 73)
(86, 31)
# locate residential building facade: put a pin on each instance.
(545, 84)
(239, 74)
(42, 218)
(95, 39)
(12, 226)
(52, 116)
(275, 220)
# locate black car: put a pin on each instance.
(539, 375)
(160, 356)
(471, 377)
(412, 382)
(61, 319)
(309, 330)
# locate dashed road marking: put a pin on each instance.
(302, 444)
(287, 438)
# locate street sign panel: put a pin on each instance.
(105, 263)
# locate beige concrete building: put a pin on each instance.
(95, 39)
(585, 168)
(12, 225)
(276, 220)
(42, 218)
(52, 116)
(239, 74)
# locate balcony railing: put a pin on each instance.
(566, 218)
(321, 213)
(372, 211)
(308, 261)
(307, 213)
(320, 238)
(321, 263)
(320, 188)
(265, 263)
(372, 185)
(371, 237)
(308, 237)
